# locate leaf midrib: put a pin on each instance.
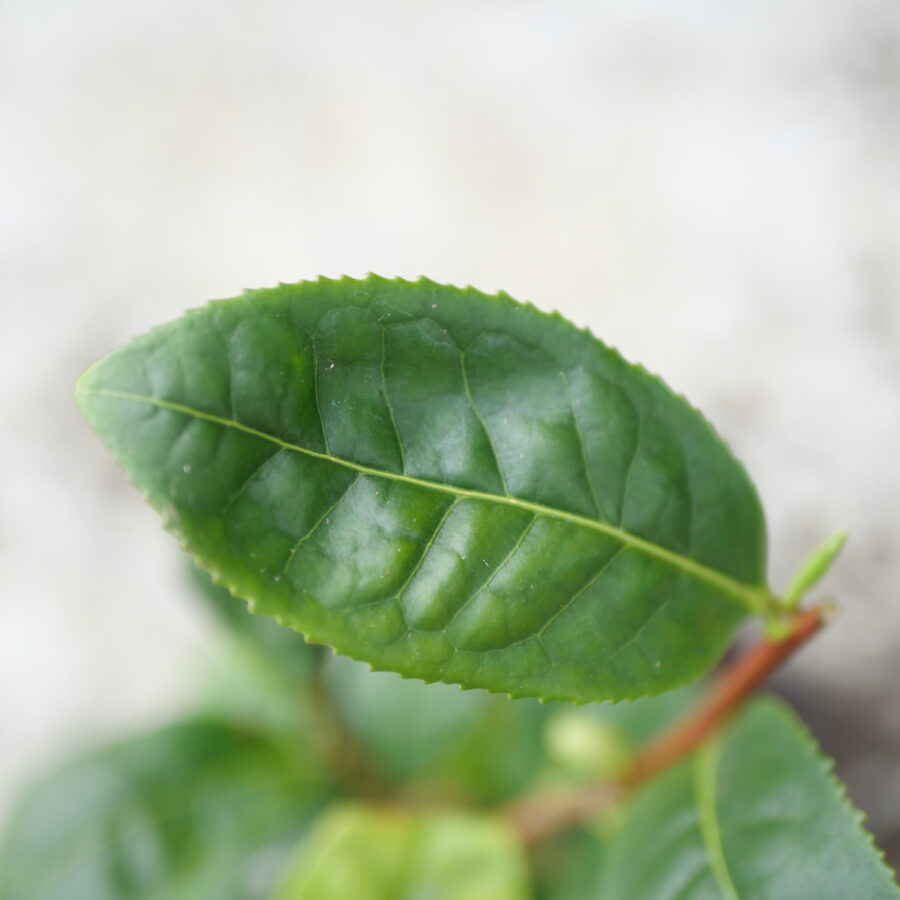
(706, 763)
(751, 597)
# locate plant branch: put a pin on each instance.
(538, 817)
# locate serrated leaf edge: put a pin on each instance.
(827, 766)
(756, 599)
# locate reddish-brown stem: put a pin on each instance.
(728, 692)
(538, 817)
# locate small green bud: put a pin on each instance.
(585, 745)
(814, 567)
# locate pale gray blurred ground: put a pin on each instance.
(714, 188)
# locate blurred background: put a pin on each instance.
(712, 188)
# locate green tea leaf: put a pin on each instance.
(755, 814)
(448, 485)
(372, 854)
(196, 811)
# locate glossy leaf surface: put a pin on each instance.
(196, 811)
(371, 854)
(452, 486)
(756, 814)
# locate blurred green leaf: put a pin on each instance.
(569, 866)
(501, 755)
(403, 725)
(380, 854)
(757, 813)
(467, 744)
(282, 648)
(263, 675)
(448, 485)
(196, 811)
